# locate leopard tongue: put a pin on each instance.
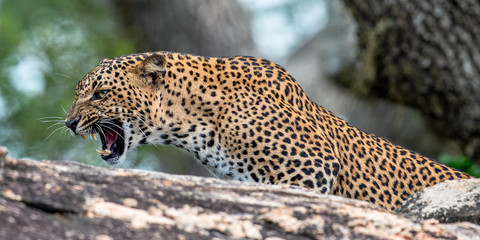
(110, 136)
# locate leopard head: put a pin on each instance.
(115, 102)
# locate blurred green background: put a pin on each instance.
(47, 46)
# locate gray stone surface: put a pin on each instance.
(450, 201)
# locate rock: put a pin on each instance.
(450, 201)
(66, 200)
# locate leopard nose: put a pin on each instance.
(72, 124)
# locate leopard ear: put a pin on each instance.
(152, 69)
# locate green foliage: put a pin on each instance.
(46, 47)
(461, 163)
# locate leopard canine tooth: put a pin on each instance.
(94, 136)
(82, 136)
(104, 152)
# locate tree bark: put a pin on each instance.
(425, 54)
(65, 200)
(212, 27)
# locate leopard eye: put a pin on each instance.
(99, 94)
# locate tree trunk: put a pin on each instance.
(66, 200)
(213, 27)
(425, 54)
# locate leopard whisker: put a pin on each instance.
(114, 130)
(69, 65)
(56, 124)
(63, 75)
(65, 111)
(50, 117)
(56, 130)
(107, 121)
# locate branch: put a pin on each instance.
(65, 200)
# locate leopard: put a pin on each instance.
(245, 119)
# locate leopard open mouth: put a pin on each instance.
(112, 139)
